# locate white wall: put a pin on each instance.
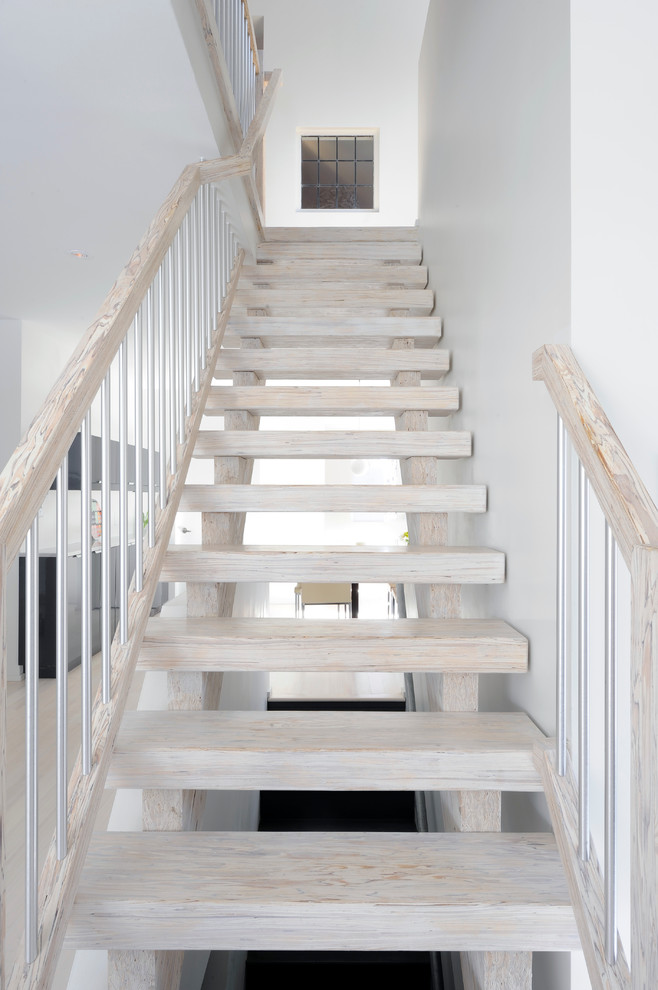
(494, 219)
(344, 64)
(614, 161)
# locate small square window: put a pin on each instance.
(338, 172)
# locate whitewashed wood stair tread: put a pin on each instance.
(272, 890)
(319, 301)
(328, 362)
(336, 286)
(332, 444)
(406, 252)
(334, 498)
(473, 646)
(346, 751)
(346, 235)
(315, 330)
(419, 564)
(329, 400)
(303, 271)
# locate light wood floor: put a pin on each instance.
(15, 791)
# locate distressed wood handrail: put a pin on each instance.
(59, 877)
(621, 492)
(252, 37)
(30, 470)
(633, 518)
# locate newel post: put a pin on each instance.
(644, 767)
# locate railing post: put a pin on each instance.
(644, 767)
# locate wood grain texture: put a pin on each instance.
(326, 400)
(341, 235)
(497, 970)
(220, 71)
(472, 645)
(644, 767)
(334, 331)
(366, 751)
(218, 169)
(59, 879)
(333, 498)
(332, 444)
(305, 270)
(585, 879)
(359, 363)
(266, 280)
(423, 565)
(288, 890)
(385, 251)
(252, 39)
(262, 116)
(134, 970)
(323, 302)
(617, 485)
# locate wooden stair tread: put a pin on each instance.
(420, 564)
(316, 301)
(328, 444)
(241, 890)
(446, 645)
(329, 362)
(336, 331)
(309, 235)
(336, 286)
(333, 498)
(343, 751)
(304, 270)
(406, 252)
(328, 400)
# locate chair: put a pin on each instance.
(323, 594)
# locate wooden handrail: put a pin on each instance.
(619, 489)
(262, 116)
(30, 470)
(59, 877)
(252, 37)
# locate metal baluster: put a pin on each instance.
(194, 281)
(106, 532)
(561, 686)
(85, 549)
(150, 412)
(139, 448)
(162, 381)
(610, 746)
(180, 334)
(173, 404)
(123, 491)
(222, 256)
(201, 274)
(188, 314)
(61, 659)
(583, 663)
(31, 739)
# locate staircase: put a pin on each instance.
(330, 304)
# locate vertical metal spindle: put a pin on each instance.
(106, 533)
(180, 335)
(222, 256)
(583, 663)
(188, 312)
(194, 282)
(61, 659)
(31, 739)
(610, 746)
(173, 329)
(201, 276)
(150, 412)
(139, 448)
(561, 670)
(85, 550)
(162, 380)
(123, 491)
